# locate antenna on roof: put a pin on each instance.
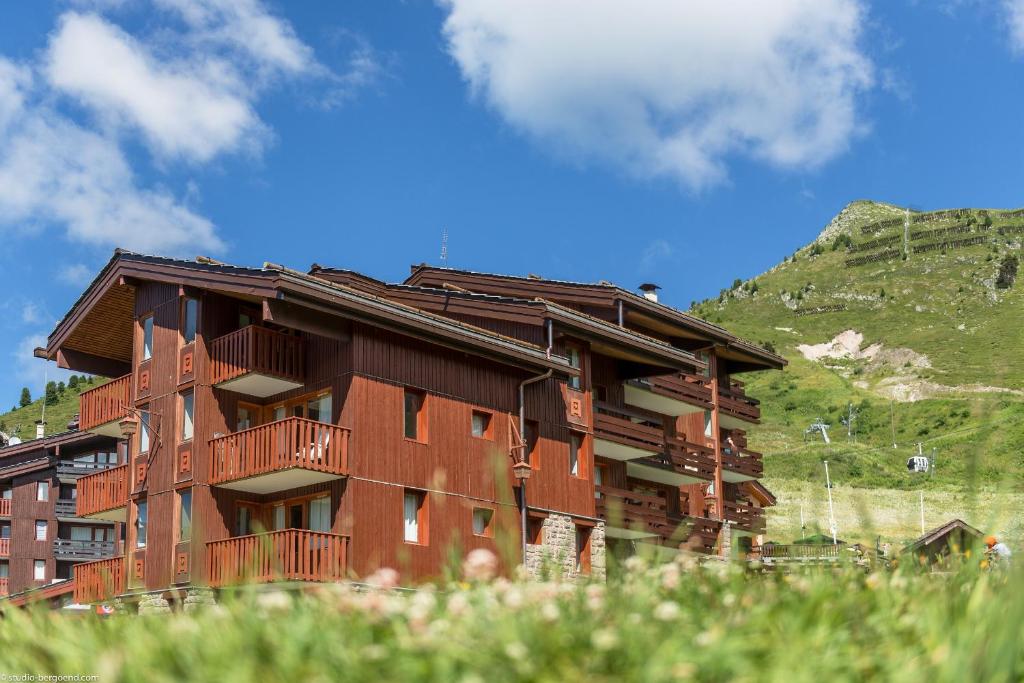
(444, 247)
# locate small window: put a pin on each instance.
(188, 407)
(573, 354)
(144, 429)
(320, 514)
(191, 316)
(246, 417)
(582, 550)
(414, 415)
(481, 424)
(141, 523)
(147, 337)
(184, 515)
(601, 393)
(535, 531)
(5, 530)
(6, 492)
(599, 478)
(278, 517)
(319, 409)
(5, 569)
(482, 521)
(575, 450)
(41, 529)
(42, 491)
(414, 513)
(243, 521)
(39, 570)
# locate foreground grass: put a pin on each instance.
(671, 622)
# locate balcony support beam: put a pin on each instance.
(69, 359)
(306, 320)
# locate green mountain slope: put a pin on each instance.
(21, 422)
(902, 315)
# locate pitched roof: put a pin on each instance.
(939, 532)
(611, 292)
(277, 282)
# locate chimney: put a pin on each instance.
(40, 429)
(650, 291)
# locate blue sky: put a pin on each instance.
(682, 143)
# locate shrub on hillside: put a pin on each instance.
(1007, 272)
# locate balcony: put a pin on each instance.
(771, 553)
(288, 555)
(65, 509)
(622, 434)
(257, 361)
(69, 471)
(281, 455)
(67, 549)
(735, 409)
(674, 395)
(98, 581)
(634, 515)
(104, 495)
(5, 547)
(100, 409)
(703, 534)
(744, 516)
(741, 465)
(5, 507)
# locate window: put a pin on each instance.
(39, 570)
(81, 533)
(246, 416)
(575, 448)
(184, 515)
(190, 315)
(482, 521)
(599, 478)
(573, 354)
(188, 408)
(319, 409)
(146, 416)
(279, 517)
(320, 514)
(600, 393)
(481, 425)
(41, 529)
(5, 530)
(5, 569)
(147, 337)
(243, 521)
(707, 423)
(582, 550)
(141, 523)
(415, 528)
(42, 491)
(535, 531)
(6, 492)
(414, 415)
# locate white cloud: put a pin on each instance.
(30, 313)
(1015, 22)
(668, 88)
(655, 252)
(196, 109)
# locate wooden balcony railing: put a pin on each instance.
(637, 511)
(65, 508)
(72, 469)
(104, 404)
(616, 424)
(288, 555)
(799, 552)
(692, 389)
(4, 586)
(5, 547)
(98, 581)
(67, 549)
(259, 350)
(744, 463)
(103, 491)
(290, 443)
(5, 507)
(735, 402)
(704, 534)
(745, 516)
(692, 459)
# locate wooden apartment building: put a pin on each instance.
(295, 426)
(42, 535)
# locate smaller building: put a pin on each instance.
(955, 538)
(42, 534)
